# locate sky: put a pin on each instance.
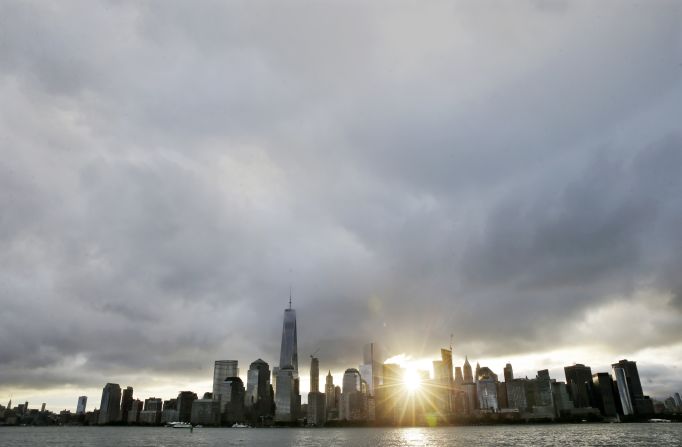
(507, 172)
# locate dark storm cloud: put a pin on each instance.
(496, 171)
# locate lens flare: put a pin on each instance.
(412, 380)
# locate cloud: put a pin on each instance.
(167, 171)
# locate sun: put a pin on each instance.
(411, 380)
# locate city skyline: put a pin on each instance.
(504, 175)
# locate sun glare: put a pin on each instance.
(412, 380)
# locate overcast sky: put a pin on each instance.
(508, 172)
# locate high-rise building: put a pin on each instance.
(287, 396)
(373, 356)
(153, 404)
(468, 376)
(624, 393)
(233, 409)
(314, 374)
(486, 389)
(602, 394)
(221, 371)
(110, 406)
(641, 404)
(184, 405)
(329, 392)
(316, 400)
(543, 389)
(353, 400)
(459, 378)
(578, 377)
(508, 373)
(678, 400)
(258, 388)
(126, 402)
(516, 394)
(82, 402)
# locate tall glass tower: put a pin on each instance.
(287, 397)
(288, 357)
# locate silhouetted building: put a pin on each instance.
(578, 377)
(543, 389)
(134, 411)
(221, 371)
(330, 397)
(126, 402)
(153, 404)
(563, 404)
(603, 397)
(639, 403)
(205, 412)
(508, 373)
(233, 411)
(110, 406)
(185, 399)
(258, 390)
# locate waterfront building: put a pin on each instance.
(134, 410)
(232, 406)
(486, 390)
(353, 400)
(153, 404)
(184, 405)
(126, 402)
(563, 405)
(222, 370)
(641, 404)
(624, 393)
(287, 395)
(258, 391)
(543, 389)
(602, 395)
(678, 400)
(516, 394)
(205, 412)
(82, 403)
(170, 411)
(110, 405)
(578, 377)
(316, 401)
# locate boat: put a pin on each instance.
(659, 420)
(238, 425)
(179, 425)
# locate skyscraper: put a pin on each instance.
(578, 377)
(126, 402)
(82, 402)
(459, 379)
(110, 406)
(468, 376)
(185, 399)
(373, 356)
(221, 371)
(623, 390)
(329, 392)
(314, 374)
(641, 404)
(316, 400)
(258, 385)
(602, 394)
(287, 397)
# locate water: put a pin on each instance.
(521, 435)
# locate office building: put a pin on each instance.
(82, 403)
(110, 405)
(508, 373)
(578, 377)
(222, 370)
(287, 395)
(602, 395)
(126, 402)
(184, 405)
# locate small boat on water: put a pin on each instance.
(179, 425)
(659, 420)
(238, 425)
